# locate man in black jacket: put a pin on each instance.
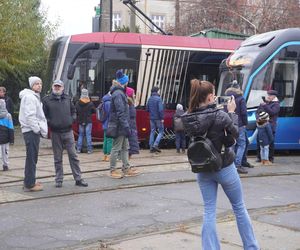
(60, 114)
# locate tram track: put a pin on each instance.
(2, 183)
(124, 186)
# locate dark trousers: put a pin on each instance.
(32, 142)
(61, 141)
(271, 149)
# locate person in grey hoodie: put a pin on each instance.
(33, 126)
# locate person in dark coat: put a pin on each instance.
(271, 106)
(6, 133)
(203, 117)
(107, 142)
(85, 108)
(156, 113)
(119, 128)
(60, 114)
(265, 137)
(8, 101)
(134, 147)
(241, 111)
(180, 141)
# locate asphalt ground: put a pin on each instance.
(159, 209)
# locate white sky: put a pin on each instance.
(75, 15)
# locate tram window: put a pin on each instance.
(280, 75)
(285, 74)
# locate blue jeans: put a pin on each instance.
(88, 135)
(156, 124)
(240, 146)
(231, 184)
(264, 152)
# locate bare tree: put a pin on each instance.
(237, 15)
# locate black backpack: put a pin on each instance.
(203, 155)
(101, 114)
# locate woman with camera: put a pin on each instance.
(205, 119)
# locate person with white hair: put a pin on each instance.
(33, 126)
(180, 141)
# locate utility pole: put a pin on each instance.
(177, 16)
(132, 26)
(106, 16)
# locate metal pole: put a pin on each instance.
(143, 14)
(106, 14)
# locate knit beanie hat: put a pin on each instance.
(32, 80)
(129, 92)
(263, 116)
(179, 107)
(84, 93)
(121, 77)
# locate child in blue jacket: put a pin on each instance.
(265, 136)
(6, 133)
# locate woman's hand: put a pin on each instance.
(231, 106)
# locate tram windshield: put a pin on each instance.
(238, 67)
(279, 73)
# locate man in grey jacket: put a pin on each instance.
(61, 113)
(33, 125)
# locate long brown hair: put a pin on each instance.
(199, 92)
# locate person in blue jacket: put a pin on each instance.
(6, 133)
(264, 136)
(107, 142)
(156, 112)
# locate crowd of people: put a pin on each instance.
(57, 112)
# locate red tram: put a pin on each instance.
(169, 62)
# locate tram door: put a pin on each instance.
(284, 80)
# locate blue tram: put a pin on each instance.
(269, 61)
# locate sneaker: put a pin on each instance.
(81, 183)
(178, 151)
(78, 151)
(156, 149)
(58, 184)
(5, 168)
(258, 160)
(35, 188)
(89, 151)
(247, 165)
(130, 172)
(242, 170)
(152, 150)
(116, 174)
(267, 163)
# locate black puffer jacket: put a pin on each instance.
(213, 121)
(84, 111)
